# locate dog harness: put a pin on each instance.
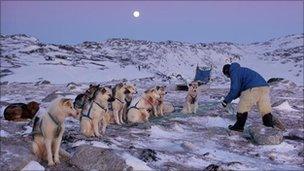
(128, 103)
(40, 131)
(135, 106)
(89, 112)
(193, 99)
(58, 124)
(36, 131)
(119, 100)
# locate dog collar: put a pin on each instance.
(58, 124)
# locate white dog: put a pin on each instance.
(49, 128)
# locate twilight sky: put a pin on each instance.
(72, 22)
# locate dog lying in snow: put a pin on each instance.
(48, 130)
(21, 111)
(95, 112)
(191, 103)
(138, 112)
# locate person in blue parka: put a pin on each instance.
(252, 89)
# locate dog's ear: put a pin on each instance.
(190, 85)
(91, 85)
(147, 91)
(103, 90)
(134, 85)
(200, 83)
(109, 86)
(67, 102)
(120, 85)
(157, 87)
(164, 86)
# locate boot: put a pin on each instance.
(268, 120)
(240, 122)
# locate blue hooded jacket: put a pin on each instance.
(242, 79)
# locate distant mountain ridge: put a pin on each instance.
(165, 59)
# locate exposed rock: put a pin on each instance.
(188, 146)
(17, 152)
(55, 94)
(301, 153)
(5, 72)
(296, 135)
(72, 85)
(262, 135)
(4, 83)
(92, 158)
(274, 80)
(213, 167)
(50, 97)
(44, 82)
(148, 155)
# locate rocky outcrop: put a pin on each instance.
(92, 158)
(262, 135)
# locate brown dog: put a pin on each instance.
(49, 128)
(21, 111)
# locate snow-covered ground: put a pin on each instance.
(177, 141)
(182, 141)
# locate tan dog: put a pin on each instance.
(49, 128)
(161, 90)
(95, 112)
(130, 91)
(138, 113)
(191, 103)
(119, 103)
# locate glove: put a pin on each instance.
(224, 104)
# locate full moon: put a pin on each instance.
(136, 14)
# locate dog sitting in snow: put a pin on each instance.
(120, 92)
(160, 101)
(81, 99)
(128, 99)
(161, 106)
(191, 103)
(48, 130)
(138, 112)
(96, 112)
(21, 111)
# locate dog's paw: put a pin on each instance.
(51, 163)
(98, 135)
(57, 161)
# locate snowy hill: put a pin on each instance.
(26, 59)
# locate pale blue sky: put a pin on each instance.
(71, 22)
